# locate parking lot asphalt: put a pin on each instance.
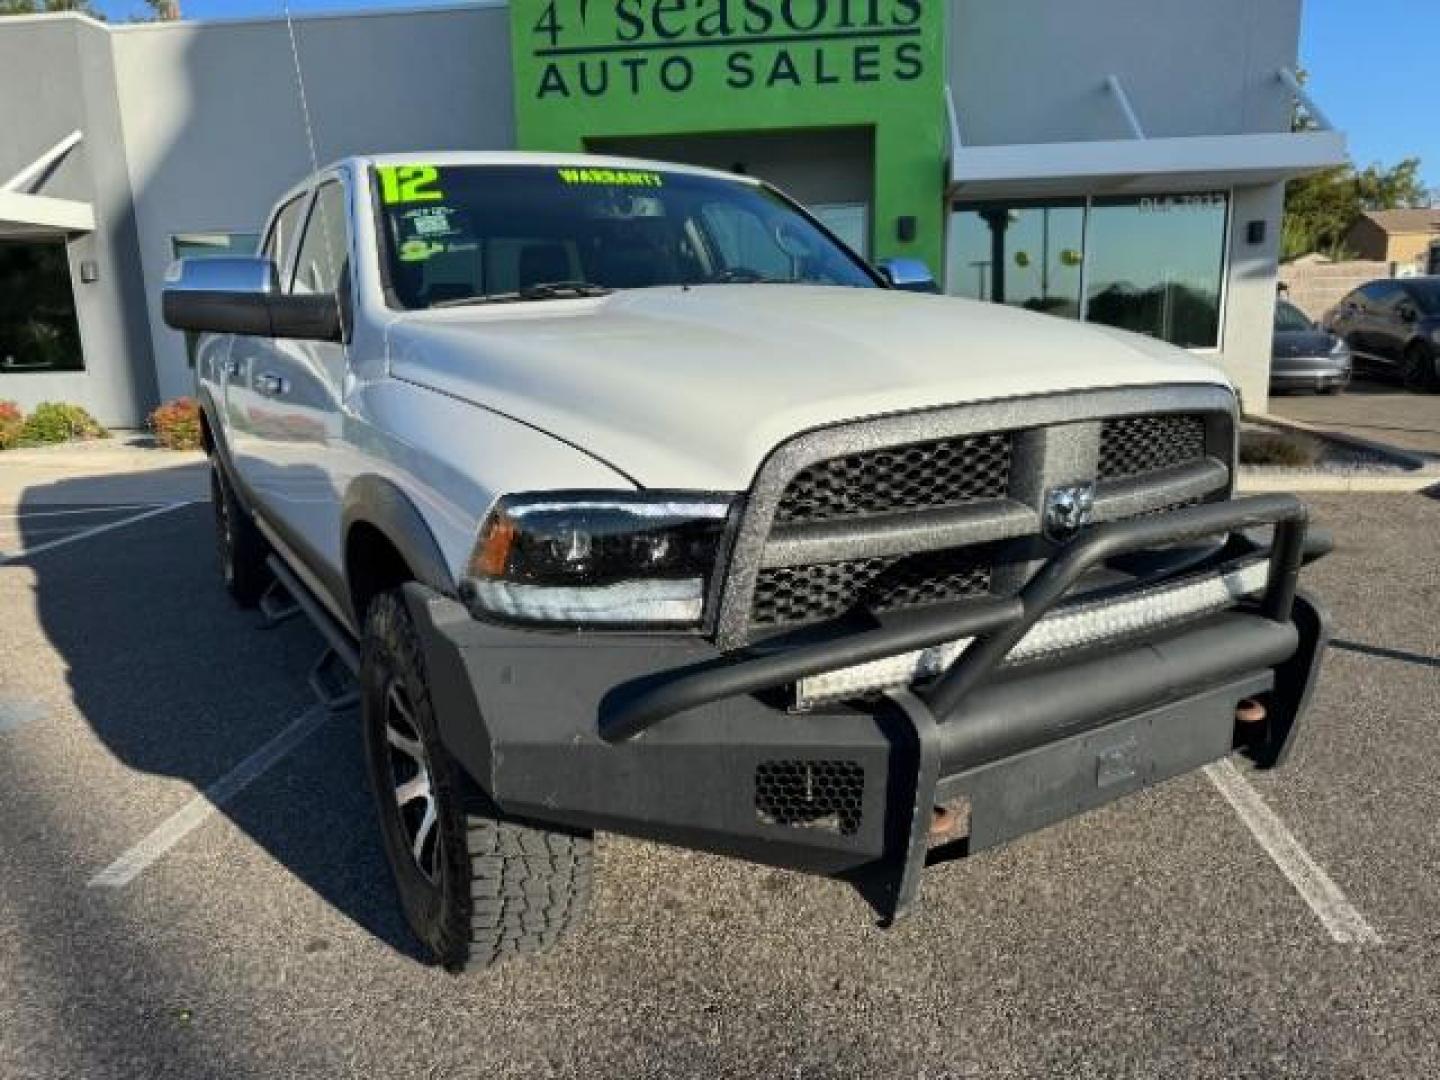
(1371, 409)
(1155, 936)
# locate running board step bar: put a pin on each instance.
(278, 604)
(333, 677)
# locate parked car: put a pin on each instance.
(640, 503)
(1304, 356)
(1393, 328)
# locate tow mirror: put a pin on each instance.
(908, 275)
(241, 295)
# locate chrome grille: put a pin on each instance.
(946, 472)
(793, 595)
(1134, 445)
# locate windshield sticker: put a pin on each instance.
(625, 177)
(427, 231)
(420, 250)
(400, 184)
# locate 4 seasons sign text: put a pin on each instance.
(619, 49)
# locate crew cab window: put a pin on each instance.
(280, 242)
(325, 249)
(471, 233)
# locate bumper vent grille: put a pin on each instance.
(790, 595)
(949, 472)
(811, 794)
(1135, 445)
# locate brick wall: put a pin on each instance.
(1316, 287)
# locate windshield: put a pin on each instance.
(1426, 293)
(480, 233)
(1289, 317)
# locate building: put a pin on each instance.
(1110, 161)
(1402, 237)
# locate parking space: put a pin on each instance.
(1370, 409)
(191, 885)
(30, 529)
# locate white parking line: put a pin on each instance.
(96, 531)
(107, 509)
(1340, 917)
(195, 812)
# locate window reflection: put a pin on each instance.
(1154, 266)
(38, 331)
(1026, 255)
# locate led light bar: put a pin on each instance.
(660, 601)
(1078, 625)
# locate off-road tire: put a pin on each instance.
(240, 549)
(1418, 368)
(504, 886)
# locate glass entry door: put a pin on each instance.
(849, 221)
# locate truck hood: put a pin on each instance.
(692, 387)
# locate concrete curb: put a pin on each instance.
(1253, 481)
(1408, 458)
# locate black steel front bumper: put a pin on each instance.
(666, 738)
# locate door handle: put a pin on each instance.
(269, 383)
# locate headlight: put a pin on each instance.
(586, 558)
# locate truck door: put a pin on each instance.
(248, 412)
(302, 386)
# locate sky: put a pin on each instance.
(1375, 86)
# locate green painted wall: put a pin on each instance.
(594, 69)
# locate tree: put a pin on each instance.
(42, 7)
(1321, 208)
(160, 10)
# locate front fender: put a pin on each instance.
(378, 502)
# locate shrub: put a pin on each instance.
(177, 424)
(55, 421)
(1279, 448)
(11, 421)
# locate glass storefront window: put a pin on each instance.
(1026, 255)
(38, 329)
(1153, 264)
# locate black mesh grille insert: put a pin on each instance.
(1134, 445)
(810, 794)
(786, 595)
(949, 472)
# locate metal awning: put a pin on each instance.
(26, 214)
(38, 215)
(1139, 163)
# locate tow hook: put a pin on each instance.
(1249, 711)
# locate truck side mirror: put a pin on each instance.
(908, 275)
(241, 295)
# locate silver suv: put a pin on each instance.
(636, 501)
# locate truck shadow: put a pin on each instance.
(176, 681)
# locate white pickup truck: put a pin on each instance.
(638, 502)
